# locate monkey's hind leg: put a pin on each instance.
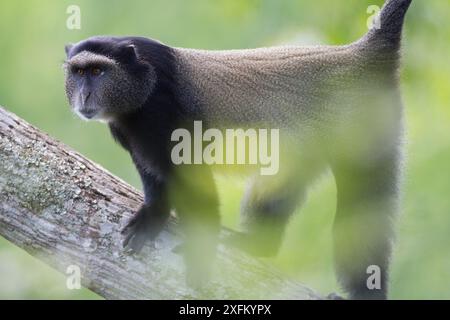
(363, 227)
(265, 211)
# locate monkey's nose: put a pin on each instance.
(85, 96)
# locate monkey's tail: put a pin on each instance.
(386, 36)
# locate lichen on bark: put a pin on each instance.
(66, 210)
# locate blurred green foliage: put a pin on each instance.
(32, 38)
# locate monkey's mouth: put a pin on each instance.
(93, 114)
(89, 114)
(86, 113)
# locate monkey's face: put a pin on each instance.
(100, 88)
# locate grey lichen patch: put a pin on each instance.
(39, 179)
(89, 245)
(106, 229)
(30, 173)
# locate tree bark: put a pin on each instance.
(66, 210)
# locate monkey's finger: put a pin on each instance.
(127, 240)
(136, 243)
(128, 226)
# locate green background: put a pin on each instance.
(32, 38)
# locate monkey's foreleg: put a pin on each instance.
(195, 198)
(150, 219)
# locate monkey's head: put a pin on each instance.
(105, 78)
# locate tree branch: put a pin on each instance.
(66, 210)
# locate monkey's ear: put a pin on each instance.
(130, 51)
(68, 47)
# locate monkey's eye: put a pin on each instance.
(96, 71)
(79, 71)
